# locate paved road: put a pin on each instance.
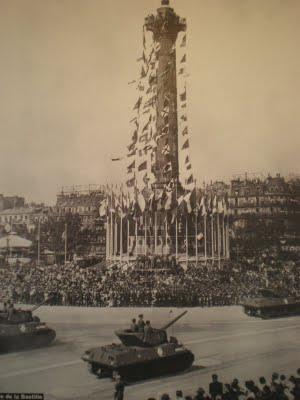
(223, 340)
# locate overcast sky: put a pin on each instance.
(65, 102)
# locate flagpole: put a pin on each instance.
(111, 227)
(223, 236)
(145, 227)
(196, 236)
(116, 236)
(121, 238)
(176, 223)
(39, 241)
(176, 237)
(205, 243)
(219, 241)
(136, 237)
(128, 233)
(65, 243)
(196, 227)
(155, 232)
(166, 232)
(212, 238)
(227, 240)
(187, 240)
(107, 237)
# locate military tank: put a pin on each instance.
(23, 330)
(136, 358)
(269, 304)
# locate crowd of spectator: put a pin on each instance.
(148, 282)
(278, 387)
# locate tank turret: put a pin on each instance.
(158, 335)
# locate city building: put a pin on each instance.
(265, 214)
(84, 201)
(8, 202)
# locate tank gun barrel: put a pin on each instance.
(173, 321)
(39, 305)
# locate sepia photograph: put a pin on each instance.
(149, 200)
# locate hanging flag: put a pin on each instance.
(188, 202)
(183, 105)
(183, 96)
(138, 104)
(203, 206)
(214, 205)
(168, 201)
(134, 136)
(150, 56)
(131, 82)
(187, 159)
(143, 72)
(181, 71)
(186, 144)
(166, 102)
(132, 153)
(144, 138)
(220, 206)
(103, 208)
(200, 236)
(165, 130)
(131, 166)
(183, 43)
(167, 168)
(183, 60)
(131, 146)
(134, 120)
(225, 208)
(146, 125)
(166, 150)
(152, 79)
(189, 166)
(141, 202)
(131, 182)
(144, 37)
(157, 46)
(112, 203)
(173, 49)
(193, 199)
(184, 117)
(190, 180)
(142, 166)
(185, 131)
(152, 202)
(146, 179)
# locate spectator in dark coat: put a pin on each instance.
(215, 387)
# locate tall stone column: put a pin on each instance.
(165, 26)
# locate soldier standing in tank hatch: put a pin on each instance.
(148, 332)
(133, 326)
(141, 323)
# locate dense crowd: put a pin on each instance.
(148, 282)
(278, 387)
